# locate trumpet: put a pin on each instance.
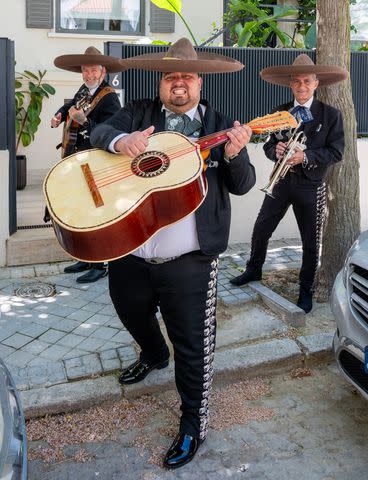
(297, 140)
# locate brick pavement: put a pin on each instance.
(75, 333)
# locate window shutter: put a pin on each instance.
(39, 14)
(161, 21)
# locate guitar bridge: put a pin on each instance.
(92, 185)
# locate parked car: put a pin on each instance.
(13, 439)
(349, 303)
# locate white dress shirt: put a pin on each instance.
(178, 238)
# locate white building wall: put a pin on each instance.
(245, 208)
(35, 49)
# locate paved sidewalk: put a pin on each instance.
(54, 331)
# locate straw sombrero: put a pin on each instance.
(92, 56)
(303, 64)
(181, 57)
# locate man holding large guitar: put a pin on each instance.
(93, 103)
(176, 269)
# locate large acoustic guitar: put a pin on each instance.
(103, 206)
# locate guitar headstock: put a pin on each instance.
(273, 122)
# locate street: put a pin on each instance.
(291, 426)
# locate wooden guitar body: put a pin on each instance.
(70, 133)
(104, 206)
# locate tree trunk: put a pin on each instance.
(342, 223)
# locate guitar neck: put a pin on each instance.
(263, 125)
(213, 140)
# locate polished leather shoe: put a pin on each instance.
(92, 275)
(77, 267)
(181, 451)
(305, 301)
(139, 370)
(245, 277)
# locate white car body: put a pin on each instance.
(349, 304)
(13, 439)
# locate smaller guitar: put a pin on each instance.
(71, 127)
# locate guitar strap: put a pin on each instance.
(98, 97)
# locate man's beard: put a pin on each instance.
(92, 86)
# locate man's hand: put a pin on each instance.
(280, 150)
(239, 137)
(134, 143)
(297, 157)
(77, 115)
(55, 121)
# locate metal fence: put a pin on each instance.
(7, 118)
(242, 95)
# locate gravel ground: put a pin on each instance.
(309, 425)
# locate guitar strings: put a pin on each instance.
(125, 166)
(112, 174)
(210, 137)
(121, 174)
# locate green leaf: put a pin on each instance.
(285, 39)
(30, 74)
(18, 84)
(285, 11)
(49, 89)
(26, 139)
(160, 42)
(171, 5)
(32, 87)
(311, 36)
(243, 40)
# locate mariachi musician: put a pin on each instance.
(176, 269)
(303, 185)
(94, 102)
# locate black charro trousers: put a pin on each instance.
(308, 202)
(185, 291)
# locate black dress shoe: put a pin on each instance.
(77, 267)
(139, 370)
(92, 275)
(305, 301)
(247, 276)
(181, 451)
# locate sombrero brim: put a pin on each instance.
(281, 75)
(205, 63)
(73, 63)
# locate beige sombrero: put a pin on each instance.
(182, 57)
(92, 56)
(303, 64)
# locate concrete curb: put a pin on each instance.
(290, 313)
(231, 365)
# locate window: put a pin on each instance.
(124, 17)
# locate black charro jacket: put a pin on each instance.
(325, 141)
(106, 107)
(237, 177)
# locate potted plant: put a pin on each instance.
(30, 91)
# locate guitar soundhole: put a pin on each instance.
(150, 164)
